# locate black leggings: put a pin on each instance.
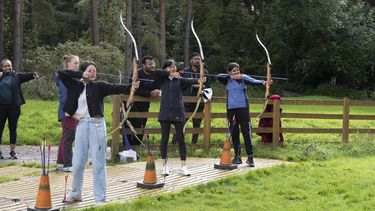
(242, 117)
(165, 130)
(12, 114)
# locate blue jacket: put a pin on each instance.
(236, 90)
(62, 96)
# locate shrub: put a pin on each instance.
(45, 60)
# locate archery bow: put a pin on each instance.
(268, 80)
(201, 75)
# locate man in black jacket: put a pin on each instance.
(146, 72)
(192, 71)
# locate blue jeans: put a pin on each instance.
(90, 135)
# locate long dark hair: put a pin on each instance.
(168, 63)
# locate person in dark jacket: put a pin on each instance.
(68, 123)
(172, 111)
(145, 72)
(192, 71)
(85, 103)
(238, 109)
(11, 99)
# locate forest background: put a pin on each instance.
(324, 47)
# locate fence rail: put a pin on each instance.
(276, 115)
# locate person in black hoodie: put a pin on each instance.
(11, 99)
(85, 103)
(172, 111)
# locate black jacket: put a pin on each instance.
(189, 73)
(171, 105)
(95, 92)
(145, 91)
(17, 80)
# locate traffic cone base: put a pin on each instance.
(149, 185)
(36, 209)
(221, 166)
(149, 179)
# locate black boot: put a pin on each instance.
(13, 155)
(1, 156)
(250, 161)
(237, 160)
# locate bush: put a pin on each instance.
(341, 91)
(45, 60)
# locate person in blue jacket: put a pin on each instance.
(68, 123)
(238, 109)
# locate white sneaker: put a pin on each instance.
(70, 200)
(165, 171)
(184, 171)
(68, 169)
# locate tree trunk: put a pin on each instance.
(189, 11)
(1, 29)
(18, 35)
(162, 32)
(128, 41)
(94, 22)
(139, 34)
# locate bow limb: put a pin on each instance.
(268, 80)
(201, 75)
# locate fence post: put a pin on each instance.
(207, 126)
(115, 123)
(345, 119)
(276, 122)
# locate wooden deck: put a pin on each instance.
(121, 182)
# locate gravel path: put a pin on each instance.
(28, 154)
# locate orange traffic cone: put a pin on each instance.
(226, 156)
(43, 199)
(149, 179)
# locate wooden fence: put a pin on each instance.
(276, 115)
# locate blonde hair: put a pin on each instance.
(68, 58)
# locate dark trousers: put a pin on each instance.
(242, 118)
(136, 123)
(189, 107)
(65, 151)
(12, 114)
(165, 131)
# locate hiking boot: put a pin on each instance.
(165, 171)
(250, 161)
(1, 156)
(13, 155)
(184, 171)
(237, 160)
(174, 139)
(70, 200)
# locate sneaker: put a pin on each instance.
(250, 161)
(99, 202)
(165, 171)
(1, 156)
(13, 155)
(68, 169)
(60, 168)
(236, 160)
(70, 200)
(184, 171)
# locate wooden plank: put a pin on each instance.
(361, 117)
(276, 122)
(362, 103)
(345, 119)
(312, 102)
(115, 123)
(311, 116)
(207, 126)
